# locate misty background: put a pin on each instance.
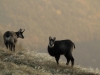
(77, 20)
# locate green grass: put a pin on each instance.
(27, 62)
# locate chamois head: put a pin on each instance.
(51, 41)
(20, 33)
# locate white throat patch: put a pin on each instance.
(51, 46)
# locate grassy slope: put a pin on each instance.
(32, 63)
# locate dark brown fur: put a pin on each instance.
(10, 38)
(62, 47)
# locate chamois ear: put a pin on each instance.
(20, 30)
(54, 38)
(23, 30)
(50, 38)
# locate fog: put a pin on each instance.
(77, 20)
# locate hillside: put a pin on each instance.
(26, 62)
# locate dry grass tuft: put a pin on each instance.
(28, 62)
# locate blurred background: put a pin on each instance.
(77, 20)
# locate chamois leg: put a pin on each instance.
(6, 46)
(11, 46)
(57, 59)
(14, 48)
(72, 61)
(68, 59)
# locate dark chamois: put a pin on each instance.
(10, 38)
(61, 47)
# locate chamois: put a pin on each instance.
(10, 38)
(61, 47)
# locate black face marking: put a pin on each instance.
(51, 41)
(21, 35)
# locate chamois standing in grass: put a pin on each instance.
(10, 38)
(61, 47)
